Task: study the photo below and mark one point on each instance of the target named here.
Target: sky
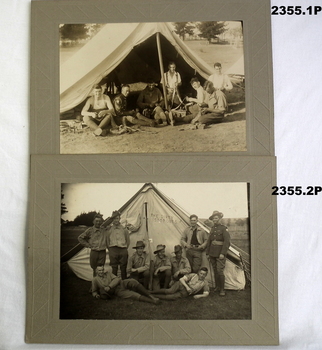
(195, 198)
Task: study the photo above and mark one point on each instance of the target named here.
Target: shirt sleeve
(140, 100)
(184, 238)
(146, 265)
(204, 239)
(206, 287)
(167, 262)
(187, 267)
(127, 237)
(108, 236)
(188, 277)
(83, 238)
(115, 281)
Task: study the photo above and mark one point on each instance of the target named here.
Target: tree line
(208, 30)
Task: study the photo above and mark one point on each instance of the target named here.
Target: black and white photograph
(155, 251)
(154, 87)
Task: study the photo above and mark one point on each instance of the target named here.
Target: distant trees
(85, 219)
(73, 32)
(211, 30)
(79, 31)
(183, 28)
(63, 208)
(236, 32)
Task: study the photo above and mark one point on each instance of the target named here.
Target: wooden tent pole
(150, 251)
(162, 71)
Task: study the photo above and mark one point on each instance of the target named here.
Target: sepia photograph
(155, 251)
(154, 87)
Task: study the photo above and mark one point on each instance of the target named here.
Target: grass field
(227, 55)
(77, 303)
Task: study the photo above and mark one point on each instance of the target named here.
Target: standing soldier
(194, 239)
(118, 241)
(217, 247)
(95, 239)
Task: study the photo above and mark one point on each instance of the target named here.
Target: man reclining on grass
(190, 284)
(105, 285)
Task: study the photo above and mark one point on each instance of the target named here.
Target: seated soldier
(123, 115)
(138, 266)
(195, 102)
(200, 98)
(221, 83)
(160, 269)
(191, 284)
(212, 113)
(98, 111)
(105, 285)
(180, 265)
(151, 103)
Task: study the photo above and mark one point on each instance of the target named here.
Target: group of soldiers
(209, 105)
(162, 277)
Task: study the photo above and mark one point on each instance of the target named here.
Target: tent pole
(162, 71)
(150, 250)
(147, 226)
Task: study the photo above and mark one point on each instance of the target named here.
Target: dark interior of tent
(141, 64)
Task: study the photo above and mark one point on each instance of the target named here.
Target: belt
(217, 243)
(195, 245)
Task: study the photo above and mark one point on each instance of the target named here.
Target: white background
(297, 61)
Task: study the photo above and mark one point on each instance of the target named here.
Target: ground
(230, 135)
(77, 303)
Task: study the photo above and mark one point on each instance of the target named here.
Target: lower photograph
(155, 251)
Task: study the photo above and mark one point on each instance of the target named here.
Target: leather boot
(217, 283)
(222, 286)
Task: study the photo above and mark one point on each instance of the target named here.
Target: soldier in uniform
(194, 240)
(95, 238)
(124, 115)
(217, 247)
(138, 266)
(118, 241)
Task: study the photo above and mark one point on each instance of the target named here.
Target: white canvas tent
(155, 219)
(237, 68)
(127, 53)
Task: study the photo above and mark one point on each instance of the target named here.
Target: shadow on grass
(77, 303)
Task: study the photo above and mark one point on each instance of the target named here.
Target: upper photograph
(152, 87)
